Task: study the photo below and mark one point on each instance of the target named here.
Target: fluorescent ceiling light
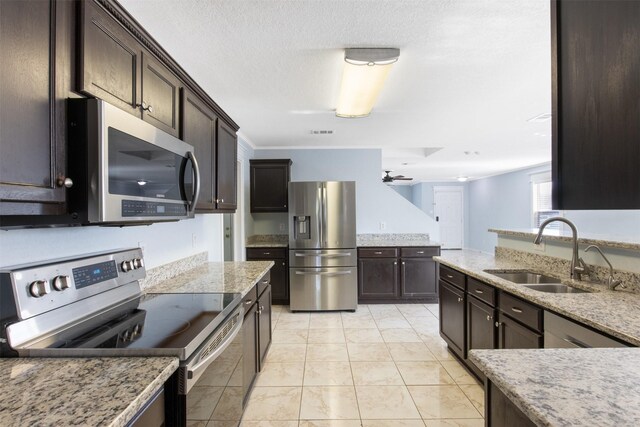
(365, 72)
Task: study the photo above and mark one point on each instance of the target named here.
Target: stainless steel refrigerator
(323, 272)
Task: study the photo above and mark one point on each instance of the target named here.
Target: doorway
(233, 224)
(449, 213)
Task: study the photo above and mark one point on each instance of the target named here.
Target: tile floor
(384, 365)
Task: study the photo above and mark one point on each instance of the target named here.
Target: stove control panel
(43, 287)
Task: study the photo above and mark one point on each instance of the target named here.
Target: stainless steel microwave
(126, 171)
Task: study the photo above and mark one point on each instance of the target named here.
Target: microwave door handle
(196, 182)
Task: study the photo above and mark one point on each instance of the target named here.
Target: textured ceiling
(469, 76)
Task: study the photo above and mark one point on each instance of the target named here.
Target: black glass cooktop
(154, 324)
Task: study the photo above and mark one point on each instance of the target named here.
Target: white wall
(403, 190)
(375, 201)
(163, 242)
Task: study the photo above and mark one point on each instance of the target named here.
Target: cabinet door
(418, 277)
(452, 318)
(199, 129)
(502, 412)
(378, 278)
(481, 329)
(264, 325)
(160, 96)
(280, 282)
(33, 156)
(596, 104)
(250, 348)
(269, 186)
(110, 60)
(227, 150)
(513, 335)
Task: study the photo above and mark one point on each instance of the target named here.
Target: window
(541, 204)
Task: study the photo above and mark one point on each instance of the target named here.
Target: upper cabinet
(115, 67)
(269, 185)
(55, 50)
(36, 44)
(596, 104)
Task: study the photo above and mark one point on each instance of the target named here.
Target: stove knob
(138, 263)
(39, 288)
(60, 283)
(137, 329)
(125, 336)
(126, 266)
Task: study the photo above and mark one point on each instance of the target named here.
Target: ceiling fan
(388, 178)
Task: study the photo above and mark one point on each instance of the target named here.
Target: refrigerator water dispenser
(302, 227)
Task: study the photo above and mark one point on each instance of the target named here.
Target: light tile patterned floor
(384, 365)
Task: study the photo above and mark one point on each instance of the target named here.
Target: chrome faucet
(612, 283)
(578, 266)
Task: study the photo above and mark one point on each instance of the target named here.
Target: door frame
(238, 218)
(451, 189)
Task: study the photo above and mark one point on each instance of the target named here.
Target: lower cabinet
(481, 329)
(390, 274)
(502, 412)
(512, 334)
(279, 272)
(452, 317)
(256, 331)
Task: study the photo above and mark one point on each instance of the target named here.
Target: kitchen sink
(556, 288)
(522, 277)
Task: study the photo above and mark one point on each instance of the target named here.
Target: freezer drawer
(316, 289)
(323, 258)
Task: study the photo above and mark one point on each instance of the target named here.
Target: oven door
(143, 173)
(213, 379)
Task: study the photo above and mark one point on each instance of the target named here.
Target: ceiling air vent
(321, 132)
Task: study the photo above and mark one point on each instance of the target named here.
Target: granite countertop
(394, 239)
(231, 277)
(78, 391)
(613, 312)
(267, 241)
(568, 387)
(619, 242)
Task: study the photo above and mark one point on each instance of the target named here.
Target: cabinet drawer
(482, 291)
(378, 253)
(452, 276)
(419, 252)
(266, 253)
(527, 314)
(249, 299)
(263, 283)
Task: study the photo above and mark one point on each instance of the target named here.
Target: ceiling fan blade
(402, 179)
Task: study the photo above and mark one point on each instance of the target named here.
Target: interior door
(448, 210)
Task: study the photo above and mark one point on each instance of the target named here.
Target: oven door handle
(196, 183)
(192, 372)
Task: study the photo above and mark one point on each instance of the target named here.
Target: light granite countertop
(613, 312)
(568, 387)
(394, 239)
(78, 391)
(230, 277)
(267, 241)
(619, 242)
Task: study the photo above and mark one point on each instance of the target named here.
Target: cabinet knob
(497, 324)
(221, 200)
(488, 317)
(146, 107)
(65, 182)
(285, 206)
(248, 302)
(395, 262)
(459, 299)
(403, 263)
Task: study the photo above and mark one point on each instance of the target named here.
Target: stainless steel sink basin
(556, 288)
(521, 277)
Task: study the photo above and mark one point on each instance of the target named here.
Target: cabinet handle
(221, 200)
(265, 281)
(497, 324)
(420, 252)
(285, 206)
(478, 291)
(459, 299)
(146, 107)
(266, 253)
(377, 253)
(449, 276)
(248, 302)
(516, 310)
(65, 182)
(395, 262)
(283, 263)
(489, 317)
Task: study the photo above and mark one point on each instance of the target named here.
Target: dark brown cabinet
(388, 274)
(36, 44)
(596, 104)
(279, 271)
(481, 329)
(452, 317)
(199, 125)
(502, 412)
(249, 348)
(226, 167)
(512, 335)
(264, 325)
(115, 67)
(269, 184)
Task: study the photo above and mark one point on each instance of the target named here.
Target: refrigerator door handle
(323, 238)
(334, 255)
(322, 273)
